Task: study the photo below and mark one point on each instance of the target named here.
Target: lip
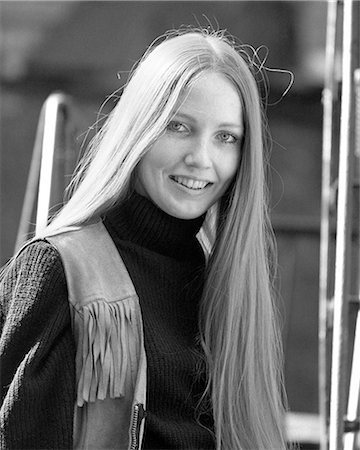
(205, 180)
(192, 180)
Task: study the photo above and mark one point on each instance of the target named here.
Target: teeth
(189, 183)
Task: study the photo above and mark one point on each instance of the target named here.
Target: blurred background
(80, 47)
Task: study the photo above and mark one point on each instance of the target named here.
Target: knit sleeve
(37, 352)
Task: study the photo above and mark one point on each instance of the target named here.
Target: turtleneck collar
(139, 220)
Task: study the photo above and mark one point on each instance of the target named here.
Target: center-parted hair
(238, 322)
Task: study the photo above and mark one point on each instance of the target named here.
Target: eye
(227, 138)
(177, 127)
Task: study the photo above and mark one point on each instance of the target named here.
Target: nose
(199, 154)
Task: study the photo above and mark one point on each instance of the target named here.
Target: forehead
(212, 95)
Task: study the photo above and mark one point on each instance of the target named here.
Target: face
(193, 163)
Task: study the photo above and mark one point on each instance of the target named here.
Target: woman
(163, 253)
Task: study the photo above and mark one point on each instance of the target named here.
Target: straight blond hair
(238, 320)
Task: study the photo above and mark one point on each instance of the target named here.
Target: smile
(190, 183)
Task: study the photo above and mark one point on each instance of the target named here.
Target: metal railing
(339, 384)
(53, 160)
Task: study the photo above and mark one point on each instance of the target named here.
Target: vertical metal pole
(47, 158)
(344, 226)
(354, 389)
(31, 186)
(328, 103)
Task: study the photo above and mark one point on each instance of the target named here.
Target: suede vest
(108, 332)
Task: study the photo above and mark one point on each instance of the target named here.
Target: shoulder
(93, 266)
(38, 261)
(39, 253)
(34, 276)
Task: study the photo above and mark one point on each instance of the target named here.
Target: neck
(139, 220)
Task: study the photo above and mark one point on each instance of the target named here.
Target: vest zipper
(138, 415)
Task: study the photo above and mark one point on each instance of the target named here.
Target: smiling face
(193, 163)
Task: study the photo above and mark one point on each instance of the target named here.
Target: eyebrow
(179, 115)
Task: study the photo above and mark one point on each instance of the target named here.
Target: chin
(185, 214)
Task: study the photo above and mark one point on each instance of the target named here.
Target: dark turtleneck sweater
(166, 264)
(37, 349)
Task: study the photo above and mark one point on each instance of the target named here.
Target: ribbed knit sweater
(37, 347)
(37, 369)
(166, 264)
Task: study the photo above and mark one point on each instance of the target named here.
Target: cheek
(145, 173)
(228, 166)
(151, 167)
(158, 157)
(148, 165)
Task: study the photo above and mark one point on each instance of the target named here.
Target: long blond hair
(238, 320)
